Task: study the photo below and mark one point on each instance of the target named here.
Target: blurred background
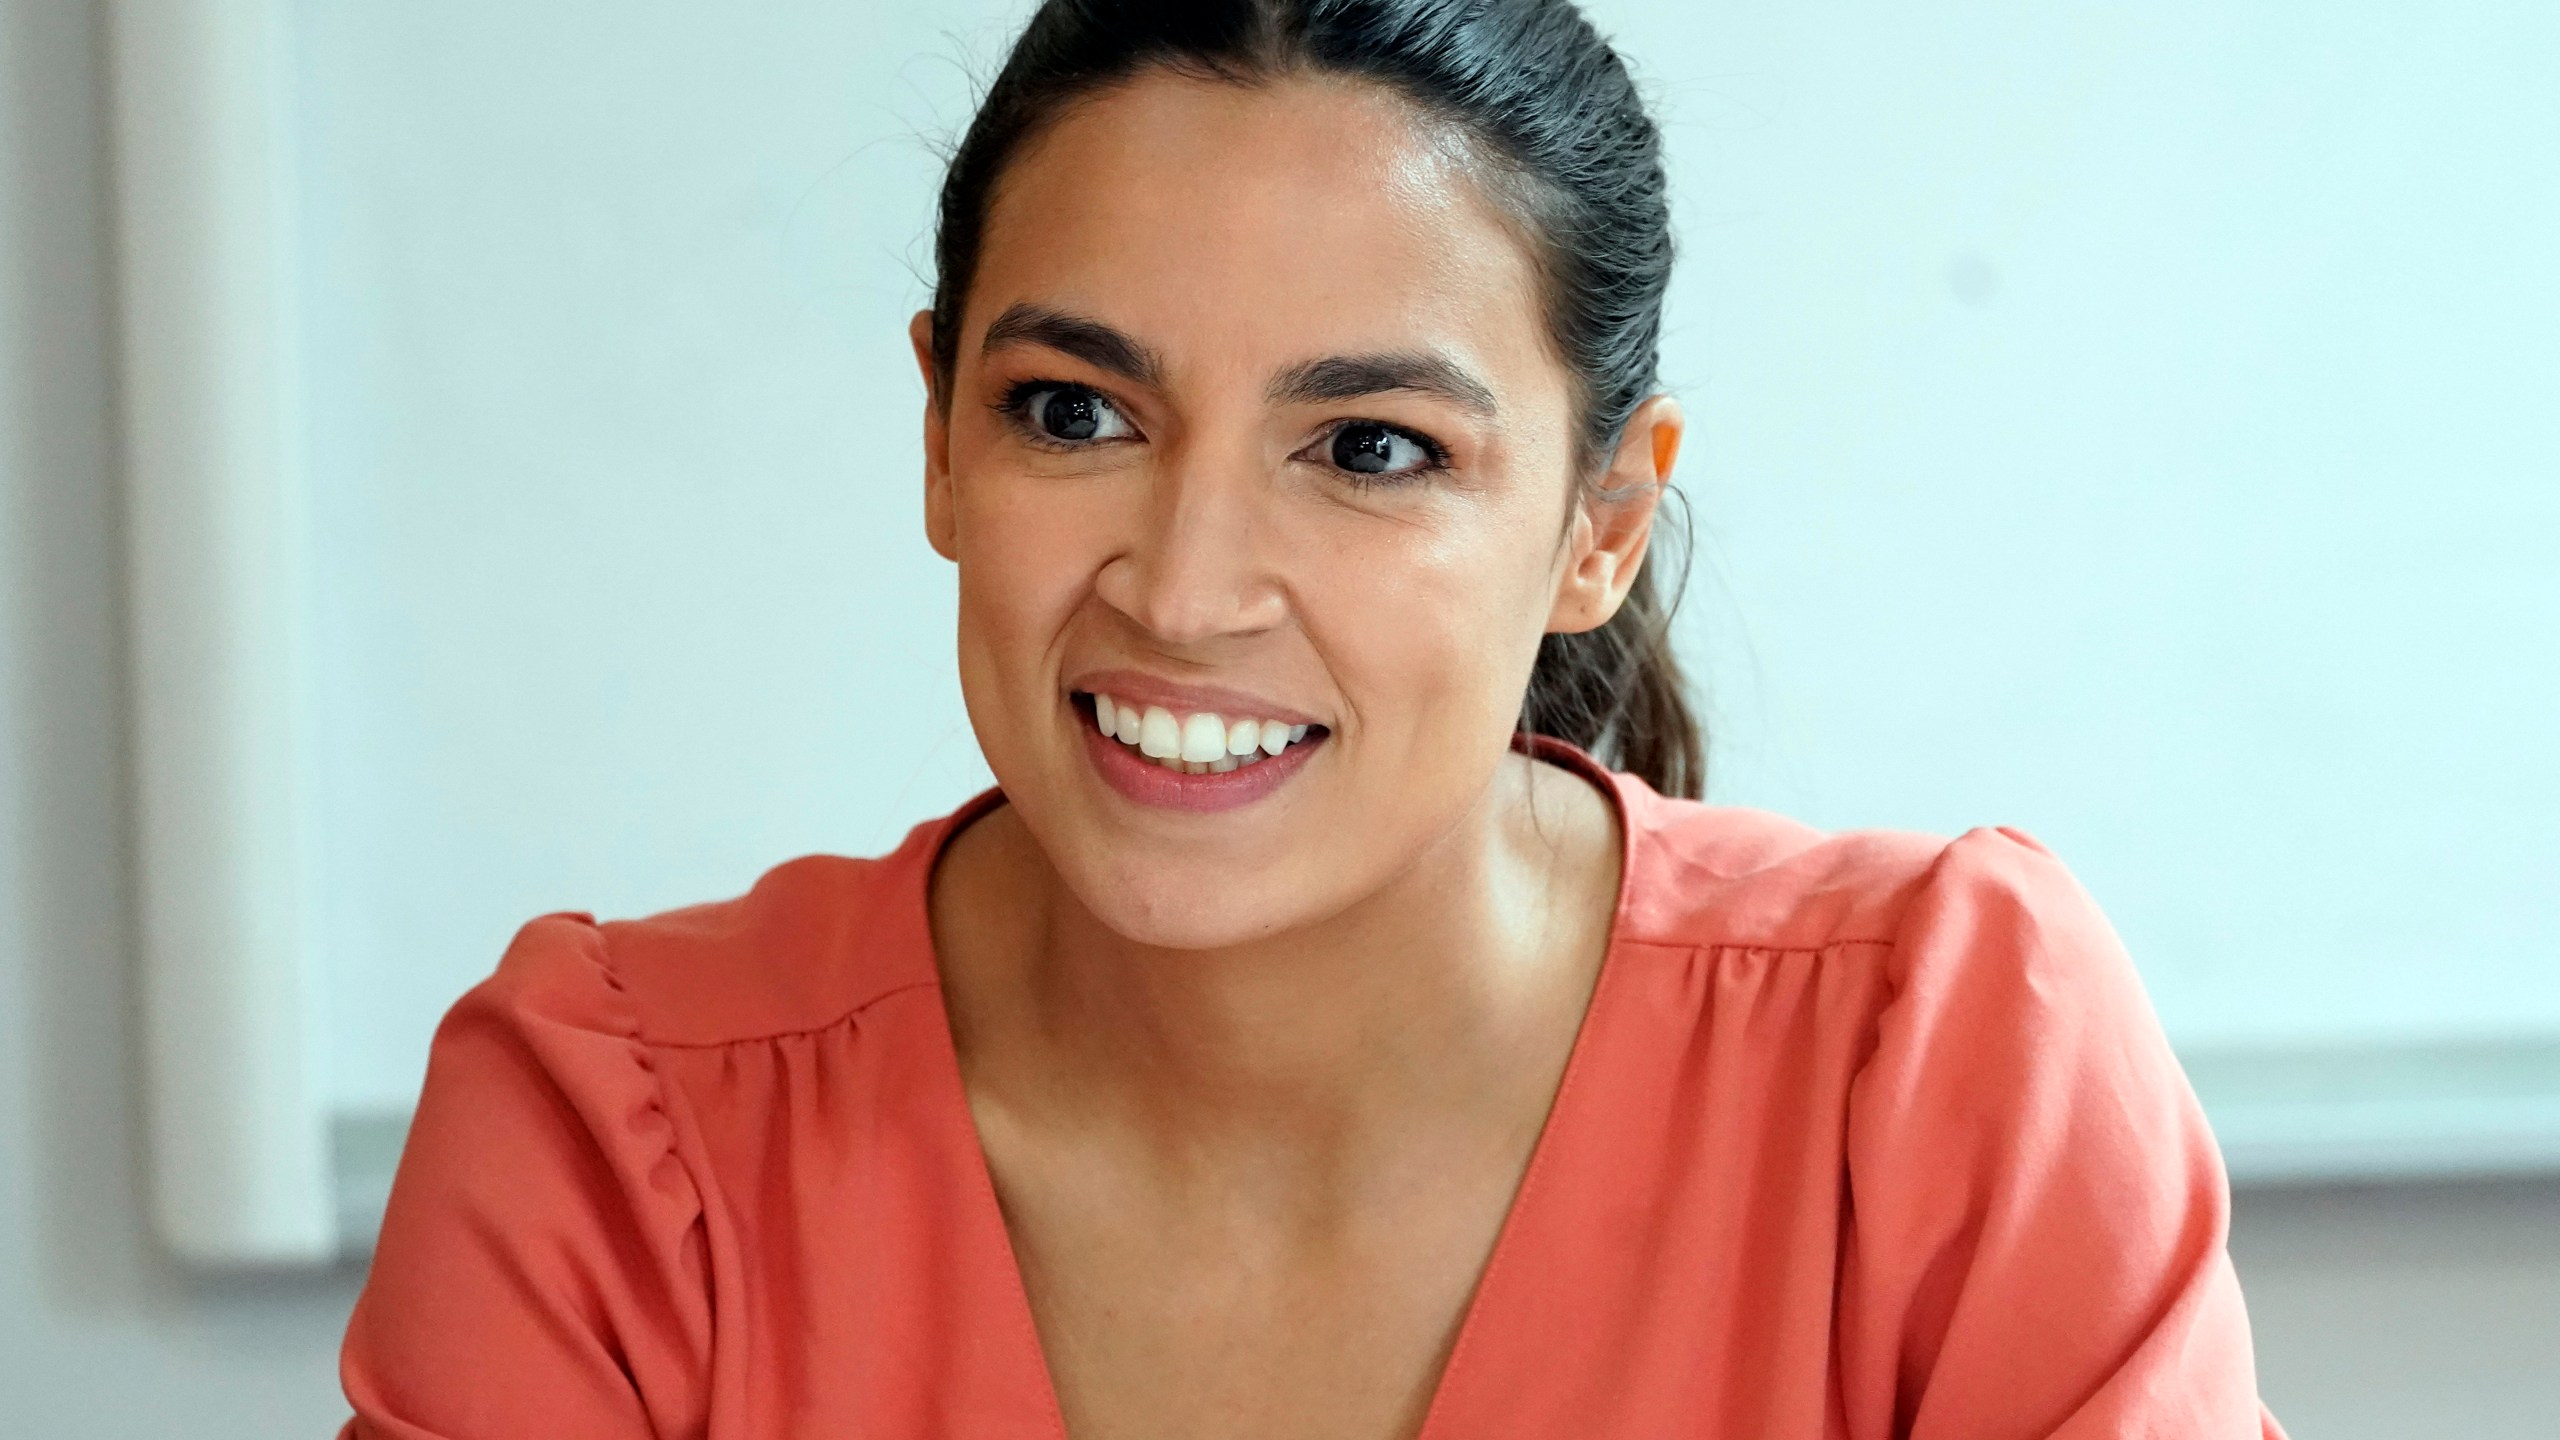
(2134, 422)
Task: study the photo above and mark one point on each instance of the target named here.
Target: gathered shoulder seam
(829, 1024)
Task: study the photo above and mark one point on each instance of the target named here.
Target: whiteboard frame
(238, 1135)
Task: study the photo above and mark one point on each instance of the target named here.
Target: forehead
(1261, 224)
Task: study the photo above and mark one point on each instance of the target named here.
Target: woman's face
(1254, 417)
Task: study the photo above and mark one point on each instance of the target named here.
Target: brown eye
(1072, 413)
(1365, 447)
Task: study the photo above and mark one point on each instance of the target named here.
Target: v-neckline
(985, 1224)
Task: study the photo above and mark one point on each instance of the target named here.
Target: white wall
(2381, 1313)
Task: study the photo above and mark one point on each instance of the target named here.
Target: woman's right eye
(1067, 414)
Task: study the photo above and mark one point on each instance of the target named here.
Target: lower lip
(1148, 783)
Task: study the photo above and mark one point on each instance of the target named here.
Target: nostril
(1183, 592)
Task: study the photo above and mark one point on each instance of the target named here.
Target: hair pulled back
(1555, 122)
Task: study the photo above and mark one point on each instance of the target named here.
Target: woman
(1310, 1036)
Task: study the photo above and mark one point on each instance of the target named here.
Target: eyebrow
(1315, 382)
(1091, 341)
(1349, 377)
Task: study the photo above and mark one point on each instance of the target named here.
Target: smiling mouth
(1199, 743)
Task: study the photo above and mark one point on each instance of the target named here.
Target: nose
(1195, 568)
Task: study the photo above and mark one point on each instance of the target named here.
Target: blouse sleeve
(541, 1268)
(2037, 1210)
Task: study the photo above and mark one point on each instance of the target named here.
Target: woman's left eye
(1367, 448)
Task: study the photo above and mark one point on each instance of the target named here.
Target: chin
(1182, 908)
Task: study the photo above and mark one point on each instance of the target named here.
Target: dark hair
(1563, 140)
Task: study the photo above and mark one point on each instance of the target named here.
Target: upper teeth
(1199, 743)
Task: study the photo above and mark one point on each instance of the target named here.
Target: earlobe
(941, 530)
(1575, 591)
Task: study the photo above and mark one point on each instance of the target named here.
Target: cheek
(1433, 626)
(1027, 550)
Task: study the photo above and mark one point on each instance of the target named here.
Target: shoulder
(1993, 978)
(1990, 903)
(1732, 875)
(814, 940)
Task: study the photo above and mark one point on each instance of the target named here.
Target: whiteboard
(2128, 422)
(2136, 423)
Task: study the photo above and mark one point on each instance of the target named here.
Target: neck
(1424, 995)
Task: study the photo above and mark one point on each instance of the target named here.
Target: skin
(1257, 1087)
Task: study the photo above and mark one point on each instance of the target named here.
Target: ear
(1611, 528)
(940, 525)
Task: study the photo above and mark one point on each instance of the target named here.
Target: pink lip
(1149, 783)
(1131, 685)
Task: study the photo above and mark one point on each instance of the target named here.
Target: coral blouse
(1864, 1135)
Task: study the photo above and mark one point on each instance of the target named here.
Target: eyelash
(1014, 404)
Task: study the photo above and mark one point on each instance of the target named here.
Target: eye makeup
(1016, 405)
